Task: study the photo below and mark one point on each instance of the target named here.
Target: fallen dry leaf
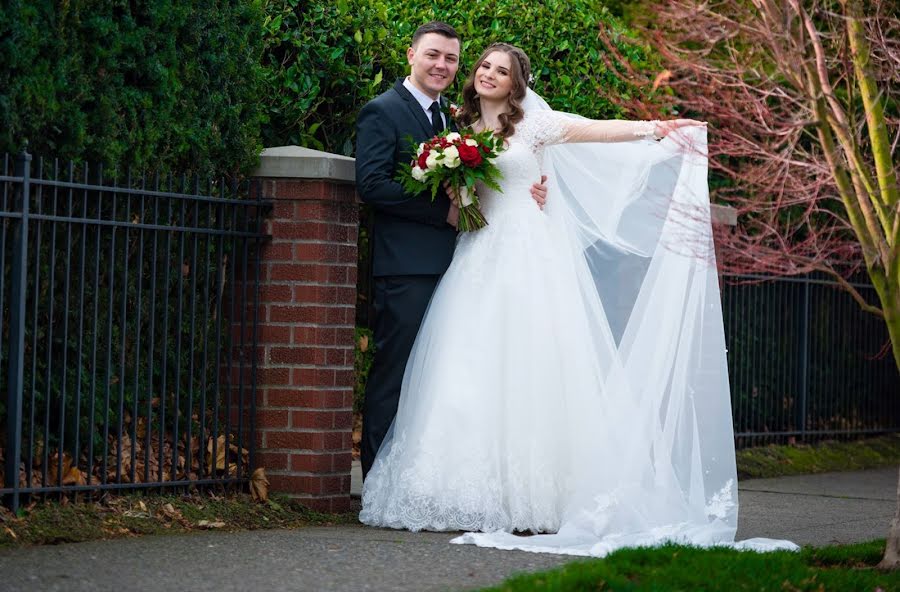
(6, 514)
(38, 451)
(136, 514)
(74, 476)
(169, 511)
(53, 467)
(259, 485)
(208, 524)
(141, 428)
(220, 453)
(363, 343)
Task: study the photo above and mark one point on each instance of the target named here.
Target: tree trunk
(891, 559)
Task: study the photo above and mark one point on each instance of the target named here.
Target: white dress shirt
(424, 100)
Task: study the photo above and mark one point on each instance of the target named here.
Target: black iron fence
(128, 324)
(805, 362)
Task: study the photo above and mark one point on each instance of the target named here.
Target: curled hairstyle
(520, 70)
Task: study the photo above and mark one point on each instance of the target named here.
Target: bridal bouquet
(460, 159)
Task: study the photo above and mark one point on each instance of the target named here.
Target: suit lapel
(414, 108)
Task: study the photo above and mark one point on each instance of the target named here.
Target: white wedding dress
(569, 376)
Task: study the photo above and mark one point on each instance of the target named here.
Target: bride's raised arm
(607, 130)
(566, 129)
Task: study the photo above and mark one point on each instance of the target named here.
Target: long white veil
(657, 450)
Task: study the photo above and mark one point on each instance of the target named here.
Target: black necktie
(437, 123)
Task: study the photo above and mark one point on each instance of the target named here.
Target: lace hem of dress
(416, 498)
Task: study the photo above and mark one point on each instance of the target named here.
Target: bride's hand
(664, 128)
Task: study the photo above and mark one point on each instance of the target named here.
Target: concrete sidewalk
(811, 510)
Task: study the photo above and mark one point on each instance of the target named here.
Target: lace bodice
(521, 164)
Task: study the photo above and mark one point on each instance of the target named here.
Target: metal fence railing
(128, 324)
(805, 362)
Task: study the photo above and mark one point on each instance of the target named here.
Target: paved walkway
(811, 510)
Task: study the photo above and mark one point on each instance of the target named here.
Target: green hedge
(325, 58)
(154, 84)
(200, 86)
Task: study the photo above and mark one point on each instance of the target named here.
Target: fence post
(804, 358)
(17, 335)
(304, 408)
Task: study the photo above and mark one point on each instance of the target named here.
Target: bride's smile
(492, 79)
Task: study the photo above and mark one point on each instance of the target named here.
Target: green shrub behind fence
(152, 84)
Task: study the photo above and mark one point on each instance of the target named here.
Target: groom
(413, 238)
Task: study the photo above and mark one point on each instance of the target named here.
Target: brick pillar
(306, 328)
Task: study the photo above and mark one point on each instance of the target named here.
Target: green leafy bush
(324, 58)
(154, 84)
(148, 84)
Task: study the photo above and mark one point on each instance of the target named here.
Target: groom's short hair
(435, 27)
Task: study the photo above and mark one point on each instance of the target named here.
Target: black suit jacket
(411, 234)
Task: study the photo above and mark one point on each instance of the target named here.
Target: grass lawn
(824, 457)
(849, 567)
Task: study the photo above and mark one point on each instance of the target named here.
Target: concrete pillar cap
(297, 162)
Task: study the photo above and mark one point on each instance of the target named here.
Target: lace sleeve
(553, 127)
(543, 128)
(609, 130)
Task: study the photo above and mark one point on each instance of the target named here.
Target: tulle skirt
(497, 391)
(522, 410)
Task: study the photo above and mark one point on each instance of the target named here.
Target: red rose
(422, 158)
(470, 155)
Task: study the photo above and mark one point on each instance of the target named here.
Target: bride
(569, 379)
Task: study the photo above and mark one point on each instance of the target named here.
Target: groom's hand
(539, 192)
(451, 193)
(453, 215)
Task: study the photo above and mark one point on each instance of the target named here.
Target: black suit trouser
(400, 304)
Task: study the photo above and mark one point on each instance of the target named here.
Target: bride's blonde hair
(521, 72)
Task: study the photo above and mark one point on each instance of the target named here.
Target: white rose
(451, 157)
(431, 162)
(418, 174)
(471, 142)
(420, 150)
(453, 136)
